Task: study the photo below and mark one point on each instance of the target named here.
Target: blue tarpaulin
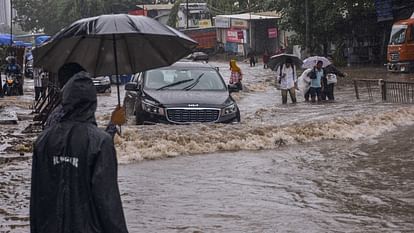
(18, 43)
(41, 39)
(384, 10)
(5, 39)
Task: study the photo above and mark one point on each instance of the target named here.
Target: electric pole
(188, 13)
(250, 26)
(11, 22)
(307, 27)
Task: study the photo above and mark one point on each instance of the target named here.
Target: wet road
(329, 187)
(334, 167)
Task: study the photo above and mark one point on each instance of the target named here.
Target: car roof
(188, 64)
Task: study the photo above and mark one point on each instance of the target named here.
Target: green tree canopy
(52, 15)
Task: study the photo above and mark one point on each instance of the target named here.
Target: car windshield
(190, 79)
(398, 34)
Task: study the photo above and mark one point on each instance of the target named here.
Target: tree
(52, 15)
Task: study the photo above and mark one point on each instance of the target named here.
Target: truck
(206, 38)
(400, 52)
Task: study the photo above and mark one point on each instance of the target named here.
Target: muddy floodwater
(346, 166)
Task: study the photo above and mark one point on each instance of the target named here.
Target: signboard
(240, 35)
(204, 23)
(239, 23)
(384, 10)
(222, 22)
(235, 36)
(272, 32)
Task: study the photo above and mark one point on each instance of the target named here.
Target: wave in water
(152, 142)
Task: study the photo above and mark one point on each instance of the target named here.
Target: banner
(235, 36)
(239, 23)
(272, 32)
(222, 22)
(204, 23)
(384, 10)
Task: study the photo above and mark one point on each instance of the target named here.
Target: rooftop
(247, 16)
(156, 6)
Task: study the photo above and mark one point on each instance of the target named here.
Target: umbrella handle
(116, 69)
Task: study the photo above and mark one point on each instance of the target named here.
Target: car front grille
(189, 115)
(395, 56)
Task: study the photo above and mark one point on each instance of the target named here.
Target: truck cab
(400, 53)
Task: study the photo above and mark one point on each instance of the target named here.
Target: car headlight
(152, 108)
(229, 110)
(106, 82)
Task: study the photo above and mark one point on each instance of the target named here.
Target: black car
(186, 92)
(102, 84)
(198, 56)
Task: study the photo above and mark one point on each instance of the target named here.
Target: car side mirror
(131, 86)
(233, 88)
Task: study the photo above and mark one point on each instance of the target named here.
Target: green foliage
(52, 15)
(172, 20)
(330, 21)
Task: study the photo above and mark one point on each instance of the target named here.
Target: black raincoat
(74, 172)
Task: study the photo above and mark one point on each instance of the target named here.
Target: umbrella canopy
(310, 62)
(277, 60)
(141, 43)
(5, 39)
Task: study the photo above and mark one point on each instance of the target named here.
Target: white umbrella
(310, 62)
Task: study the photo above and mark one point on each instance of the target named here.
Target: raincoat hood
(79, 99)
(233, 66)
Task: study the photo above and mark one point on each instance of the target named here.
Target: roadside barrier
(387, 91)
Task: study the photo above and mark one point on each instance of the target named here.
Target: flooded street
(346, 166)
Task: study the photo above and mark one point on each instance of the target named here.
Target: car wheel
(139, 119)
(238, 118)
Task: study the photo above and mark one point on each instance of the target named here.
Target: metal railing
(387, 91)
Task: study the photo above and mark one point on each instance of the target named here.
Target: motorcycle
(11, 87)
(28, 71)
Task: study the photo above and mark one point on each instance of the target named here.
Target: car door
(132, 96)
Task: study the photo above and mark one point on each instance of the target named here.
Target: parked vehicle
(28, 70)
(198, 56)
(102, 84)
(206, 38)
(186, 92)
(400, 54)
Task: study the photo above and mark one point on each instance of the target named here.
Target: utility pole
(250, 25)
(11, 22)
(187, 12)
(307, 27)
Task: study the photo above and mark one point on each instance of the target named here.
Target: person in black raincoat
(328, 88)
(74, 172)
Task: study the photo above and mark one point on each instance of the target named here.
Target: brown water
(325, 187)
(335, 167)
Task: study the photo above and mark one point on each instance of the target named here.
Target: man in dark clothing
(328, 88)
(15, 69)
(74, 171)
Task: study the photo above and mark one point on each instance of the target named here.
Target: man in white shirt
(287, 79)
(38, 85)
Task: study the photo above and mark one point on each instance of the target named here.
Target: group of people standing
(318, 82)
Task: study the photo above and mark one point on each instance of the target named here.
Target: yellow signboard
(204, 23)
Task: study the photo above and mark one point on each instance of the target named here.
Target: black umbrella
(277, 60)
(114, 44)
